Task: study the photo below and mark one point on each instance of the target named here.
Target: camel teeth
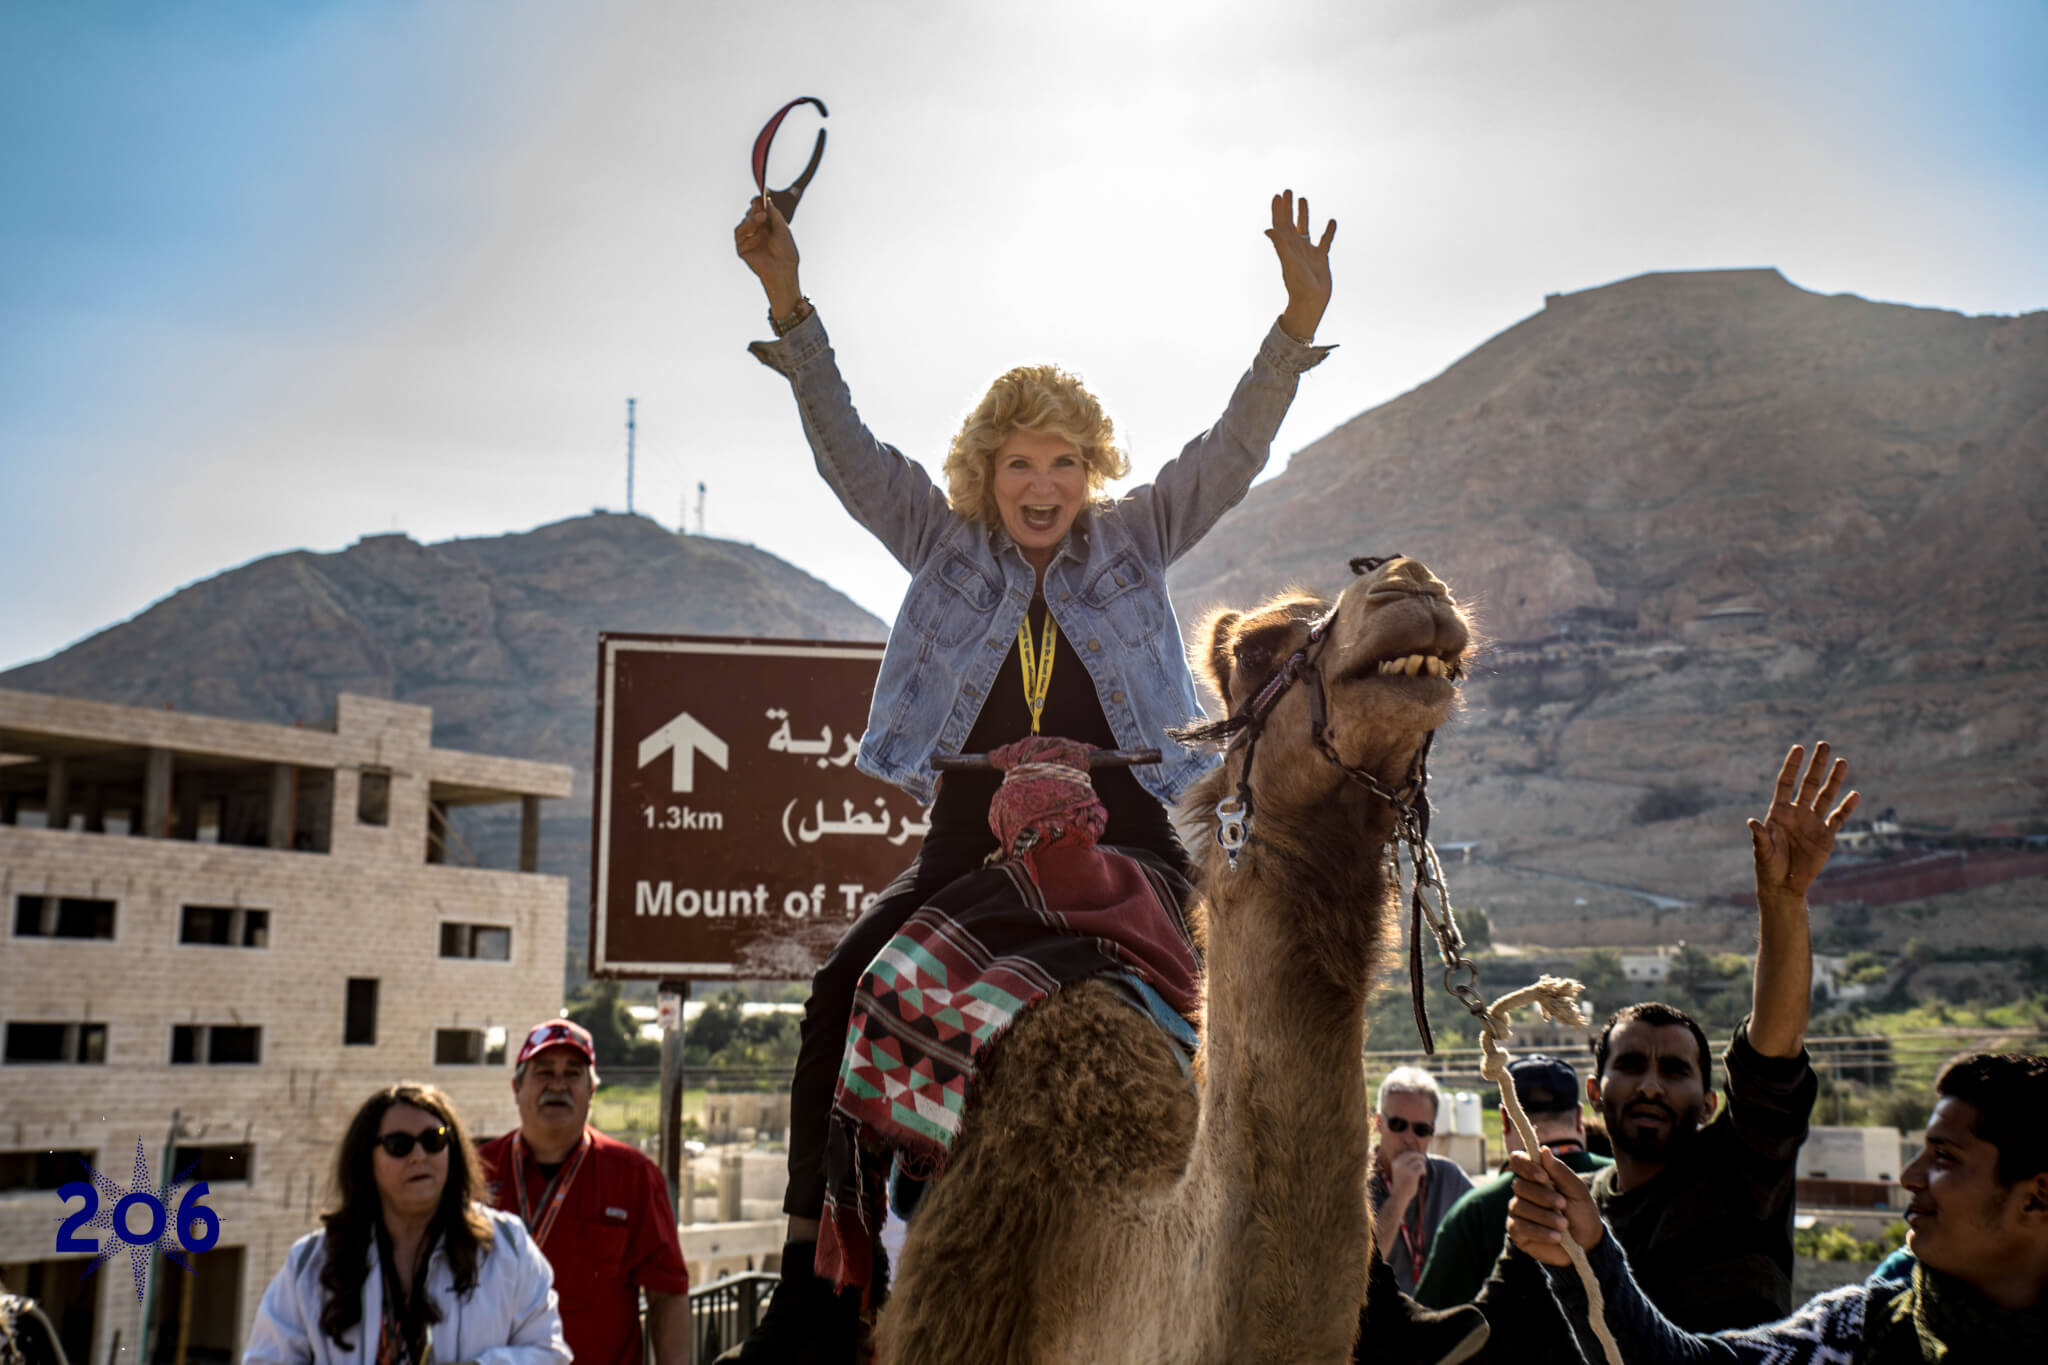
(1414, 664)
(1435, 666)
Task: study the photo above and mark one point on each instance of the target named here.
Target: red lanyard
(557, 1191)
(1416, 1252)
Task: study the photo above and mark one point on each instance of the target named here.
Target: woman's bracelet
(785, 325)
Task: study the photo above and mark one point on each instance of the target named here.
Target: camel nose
(1404, 577)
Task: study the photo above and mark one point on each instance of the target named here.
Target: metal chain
(1441, 918)
(1426, 873)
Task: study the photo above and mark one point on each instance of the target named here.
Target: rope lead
(1556, 999)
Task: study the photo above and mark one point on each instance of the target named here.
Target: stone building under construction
(220, 937)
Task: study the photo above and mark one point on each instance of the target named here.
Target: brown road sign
(733, 835)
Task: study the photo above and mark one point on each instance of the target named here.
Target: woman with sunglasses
(410, 1269)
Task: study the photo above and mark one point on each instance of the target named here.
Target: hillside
(497, 634)
(1701, 516)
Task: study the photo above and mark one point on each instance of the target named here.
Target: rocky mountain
(498, 635)
(1701, 516)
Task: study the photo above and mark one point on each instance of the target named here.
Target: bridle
(1409, 802)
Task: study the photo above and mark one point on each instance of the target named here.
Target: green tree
(714, 1028)
(1606, 984)
(612, 1030)
(1694, 973)
(1477, 927)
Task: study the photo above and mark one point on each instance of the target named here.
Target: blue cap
(1545, 1084)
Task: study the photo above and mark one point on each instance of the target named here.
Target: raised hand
(763, 240)
(1405, 1175)
(1304, 265)
(1793, 840)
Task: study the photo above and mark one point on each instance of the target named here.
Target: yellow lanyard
(1037, 666)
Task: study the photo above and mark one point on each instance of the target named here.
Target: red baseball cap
(557, 1033)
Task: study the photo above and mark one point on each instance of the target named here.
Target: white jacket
(509, 1319)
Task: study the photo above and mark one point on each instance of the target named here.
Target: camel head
(1381, 665)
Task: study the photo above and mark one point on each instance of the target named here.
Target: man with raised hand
(1978, 1220)
(598, 1208)
(1704, 1209)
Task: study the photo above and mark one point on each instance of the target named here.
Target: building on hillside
(1831, 981)
(220, 938)
(1648, 971)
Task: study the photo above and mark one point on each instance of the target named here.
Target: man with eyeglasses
(1411, 1190)
(599, 1209)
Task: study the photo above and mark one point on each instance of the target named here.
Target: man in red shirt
(599, 1209)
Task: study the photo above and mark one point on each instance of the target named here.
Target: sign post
(681, 1180)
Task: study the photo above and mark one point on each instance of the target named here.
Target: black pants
(943, 860)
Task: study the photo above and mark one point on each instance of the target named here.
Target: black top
(1072, 711)
(1710, 1236)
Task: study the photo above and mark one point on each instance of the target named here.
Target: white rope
(1556, 999)
(1053, 772)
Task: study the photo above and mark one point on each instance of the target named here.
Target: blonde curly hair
(1042, 398)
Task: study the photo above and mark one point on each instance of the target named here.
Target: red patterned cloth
(1046, 797)
(966, 966)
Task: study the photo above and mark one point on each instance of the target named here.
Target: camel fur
(1095, 1206)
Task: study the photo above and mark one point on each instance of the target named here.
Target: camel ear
(1210, 657)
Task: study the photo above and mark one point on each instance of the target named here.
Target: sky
(280, 275)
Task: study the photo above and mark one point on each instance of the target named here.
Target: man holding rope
(1703, 1210)
(1979, 1236)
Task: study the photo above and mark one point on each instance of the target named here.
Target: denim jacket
(970, 586)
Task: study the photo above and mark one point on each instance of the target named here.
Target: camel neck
(1293, 949)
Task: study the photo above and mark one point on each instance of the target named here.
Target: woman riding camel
(1037, 605)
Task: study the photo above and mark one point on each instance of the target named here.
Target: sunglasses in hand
(1396, 1124)
(398, 1146)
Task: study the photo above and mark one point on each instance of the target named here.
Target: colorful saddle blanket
(962, 970)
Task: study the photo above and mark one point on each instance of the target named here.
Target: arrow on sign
(686, 737)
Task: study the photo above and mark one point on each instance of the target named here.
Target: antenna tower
(629, 457)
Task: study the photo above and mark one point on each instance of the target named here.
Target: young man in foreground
(1979, 1235)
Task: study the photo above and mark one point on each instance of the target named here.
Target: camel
(1096, 1207)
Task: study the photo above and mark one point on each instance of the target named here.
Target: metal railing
(1849, 1067)
(722, 1315)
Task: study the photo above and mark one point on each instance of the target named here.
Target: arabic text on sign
(783, 742)
(851, 822)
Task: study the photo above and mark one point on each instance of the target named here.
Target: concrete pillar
(283, 814)
(185, 814)
(729, 1166)
(529, 834)
(57, 796)
(323, 813)
(156, 795)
